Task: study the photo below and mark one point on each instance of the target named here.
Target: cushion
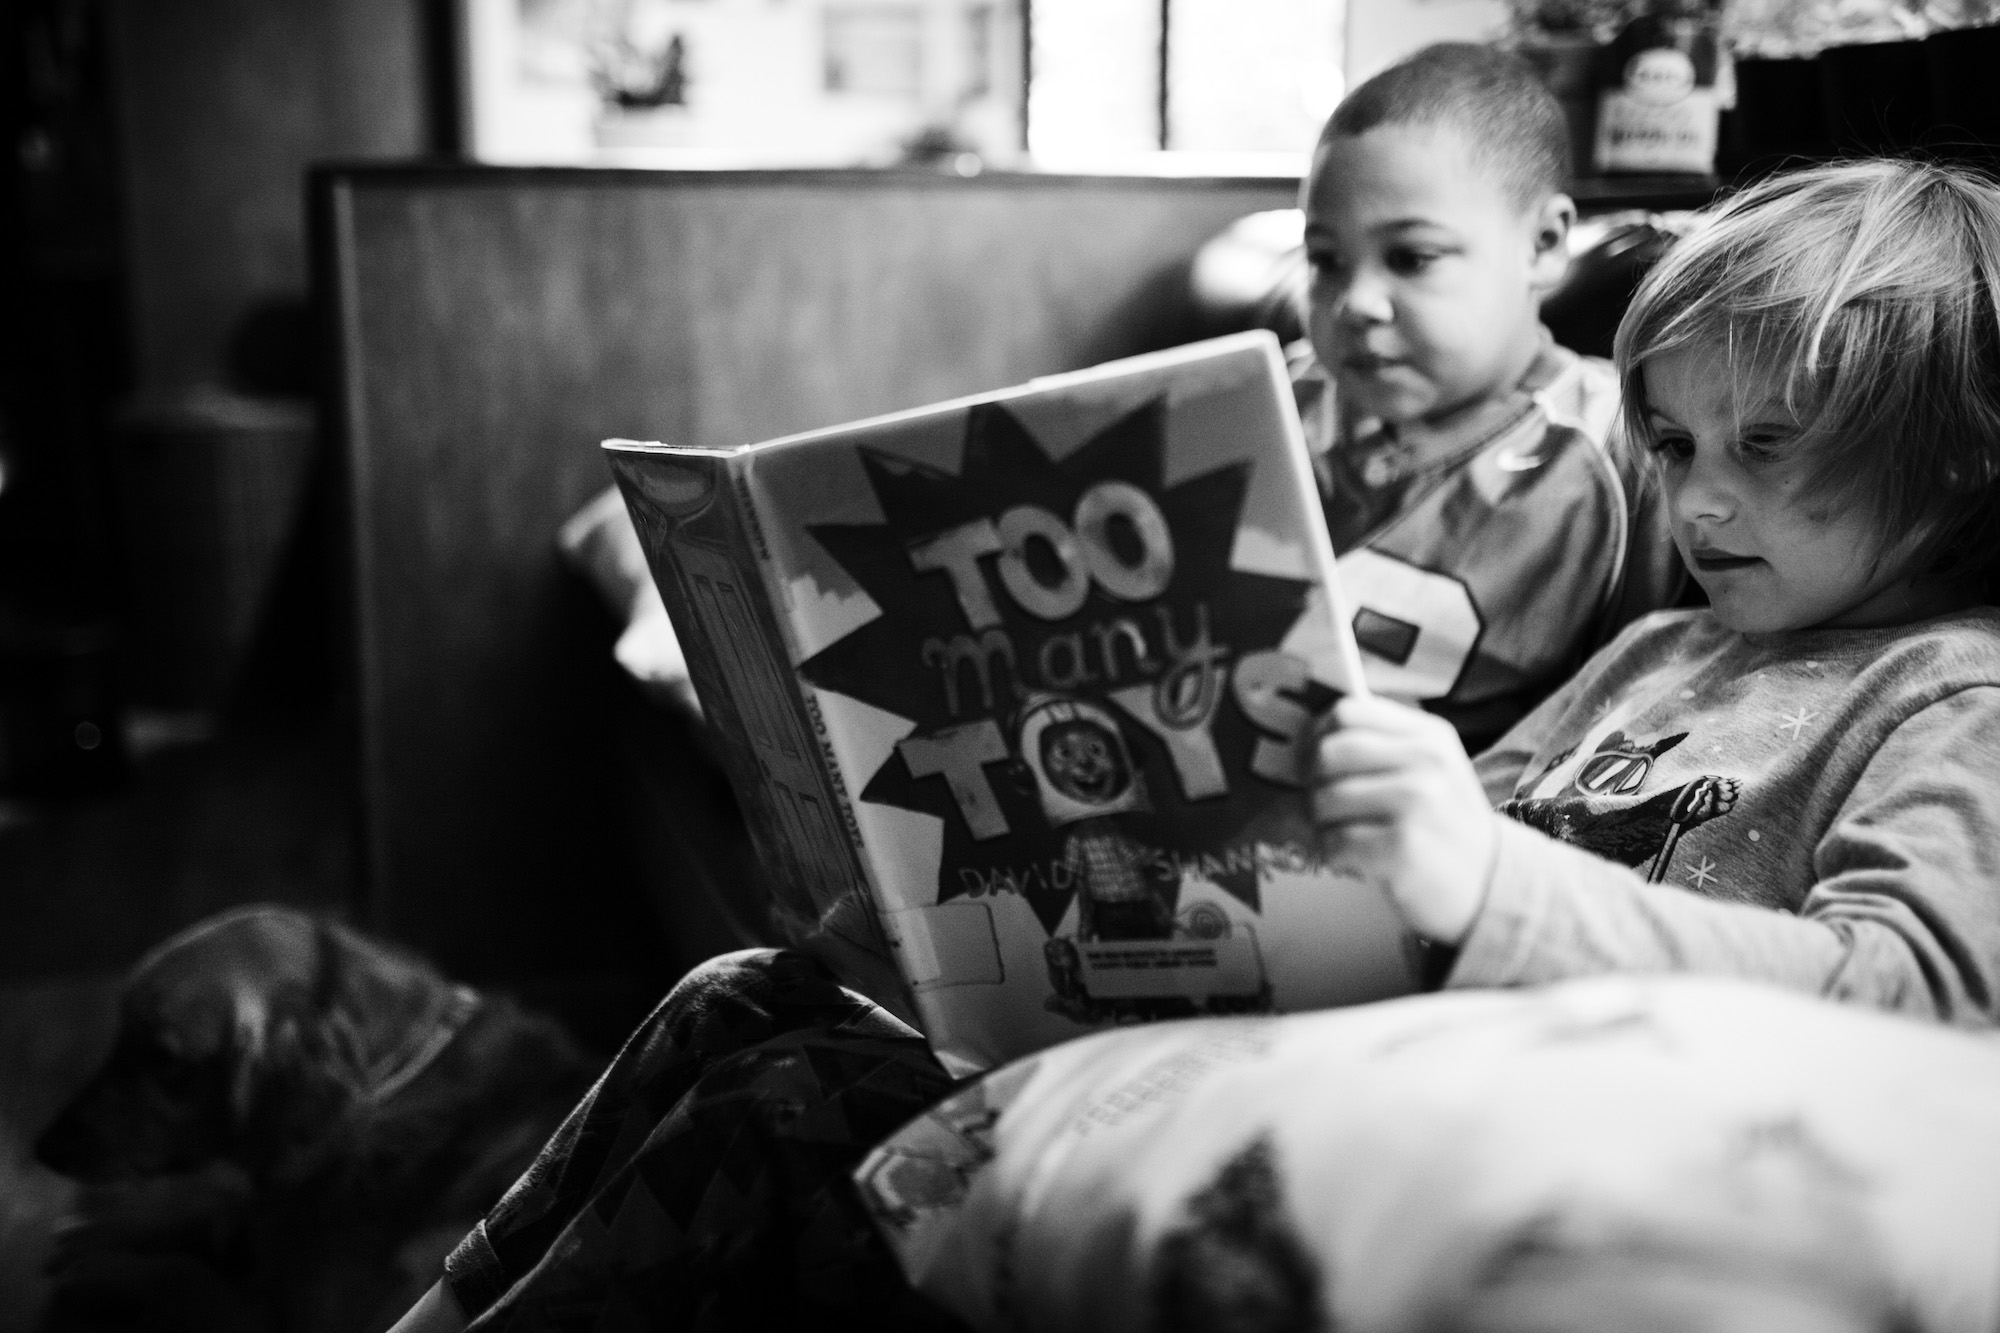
(1609, 1153)
(600, 543)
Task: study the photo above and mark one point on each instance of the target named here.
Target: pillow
(1609, 1153)
(600, 543)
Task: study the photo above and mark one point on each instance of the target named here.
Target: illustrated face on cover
(1081, 764)
(1083, 760)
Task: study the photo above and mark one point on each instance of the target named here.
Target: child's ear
(1550, 235)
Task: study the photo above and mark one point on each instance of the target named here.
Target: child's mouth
(1712, 561)
(1367, 363)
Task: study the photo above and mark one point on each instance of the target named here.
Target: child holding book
(1800, 783)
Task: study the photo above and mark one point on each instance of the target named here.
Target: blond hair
(1871, 289)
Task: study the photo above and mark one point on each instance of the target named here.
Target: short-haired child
(1491, 526)
(1801, 782)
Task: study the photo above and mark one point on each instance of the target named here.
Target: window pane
(1250, 75)
(743, 82)
(1096, 78)
(875, 50)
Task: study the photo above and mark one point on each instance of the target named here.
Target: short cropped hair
(1871, 291)
(1512, 125)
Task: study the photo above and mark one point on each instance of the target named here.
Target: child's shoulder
(1971, 634)
(1577, 392)
(1661, 634)
(1573, 394)
(1957, 651)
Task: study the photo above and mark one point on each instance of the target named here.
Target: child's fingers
(1374, 713)
(1366, 851)
(1373, 799)
(1348, 753)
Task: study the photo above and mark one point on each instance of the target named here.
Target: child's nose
(1366, 300)
(1702, 496)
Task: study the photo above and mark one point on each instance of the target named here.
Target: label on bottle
(1658, 118)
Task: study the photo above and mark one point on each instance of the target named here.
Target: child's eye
(1407, 262)
(1670, 448)
(1324, 263)
(1762, 446)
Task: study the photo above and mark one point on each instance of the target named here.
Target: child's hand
(1397, 803)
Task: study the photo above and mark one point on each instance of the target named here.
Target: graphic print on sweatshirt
(1594, 799)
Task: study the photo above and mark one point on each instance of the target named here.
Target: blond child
(1800, 783)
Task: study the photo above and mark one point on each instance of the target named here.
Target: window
(875, 50)
(1107, 83)
(1112, 78)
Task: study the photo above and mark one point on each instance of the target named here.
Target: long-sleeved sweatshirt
(1818, 808)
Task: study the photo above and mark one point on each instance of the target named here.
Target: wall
(1380, 32)
(497, 323)
(222, 104)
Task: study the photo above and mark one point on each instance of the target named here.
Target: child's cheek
(1788, 494)
(1320, 332)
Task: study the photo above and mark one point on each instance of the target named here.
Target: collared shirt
(1488, 554)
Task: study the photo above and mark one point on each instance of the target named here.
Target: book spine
(707, 556)
(852, 933)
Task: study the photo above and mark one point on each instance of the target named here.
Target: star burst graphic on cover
(969, 670)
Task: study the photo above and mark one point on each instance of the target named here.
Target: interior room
(325, 634)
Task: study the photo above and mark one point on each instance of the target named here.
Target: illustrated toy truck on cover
(1017, 693)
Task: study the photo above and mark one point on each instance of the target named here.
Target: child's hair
(1872, 290)
(1510, 122)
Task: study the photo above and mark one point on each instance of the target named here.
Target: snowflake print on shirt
(1796, 722)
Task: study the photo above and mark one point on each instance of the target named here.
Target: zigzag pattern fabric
(703, 1183)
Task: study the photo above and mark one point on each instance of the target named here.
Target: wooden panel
(222, 104)
(494, 325)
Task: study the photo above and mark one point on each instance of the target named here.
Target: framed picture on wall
(742, 82)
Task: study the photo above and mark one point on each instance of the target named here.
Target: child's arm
(1904, 911)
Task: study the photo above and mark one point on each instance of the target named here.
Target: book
(1019, 691)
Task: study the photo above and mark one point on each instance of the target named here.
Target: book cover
(1018, 692)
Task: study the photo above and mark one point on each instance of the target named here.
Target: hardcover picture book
(1018, 695)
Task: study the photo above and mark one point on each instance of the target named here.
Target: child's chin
(1391, 404)
(1746, 616)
